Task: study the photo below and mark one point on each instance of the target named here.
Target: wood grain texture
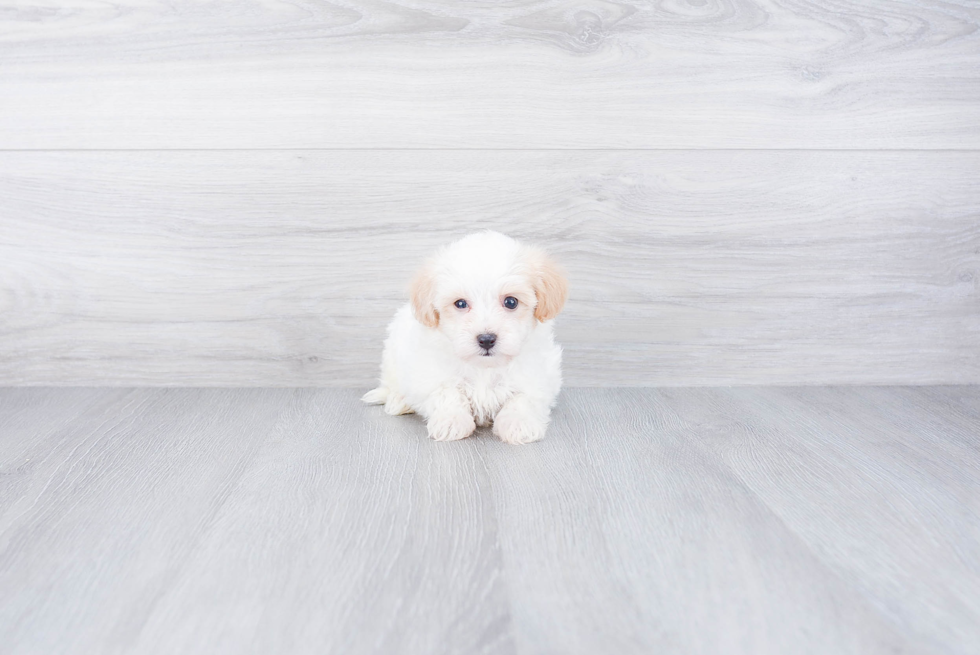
(283, 268)
(818, 520)
(110, 504)
(958, 399)
(152, 503)
(346, 534)
(622, 535)
(536, 74)
(876, 494)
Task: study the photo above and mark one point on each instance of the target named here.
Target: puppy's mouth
(491, 358)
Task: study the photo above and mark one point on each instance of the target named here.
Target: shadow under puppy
(475, 346)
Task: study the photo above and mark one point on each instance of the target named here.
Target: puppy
(475, 345)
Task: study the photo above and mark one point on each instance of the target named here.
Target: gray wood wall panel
(538, 74)
(687, 267)
(686, 160)
(678, 521)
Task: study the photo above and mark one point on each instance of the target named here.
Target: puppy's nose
(487, 340)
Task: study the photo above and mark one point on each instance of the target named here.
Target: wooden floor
(745, 520)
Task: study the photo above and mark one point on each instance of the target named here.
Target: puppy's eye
(510, 302)
(461, 304)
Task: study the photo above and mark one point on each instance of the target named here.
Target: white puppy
(475, 345)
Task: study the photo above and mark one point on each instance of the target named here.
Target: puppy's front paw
(451, 427)
(514, 426)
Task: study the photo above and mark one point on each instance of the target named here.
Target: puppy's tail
(377, 396)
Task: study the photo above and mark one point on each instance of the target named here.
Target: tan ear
(550, 285)
(423, 296)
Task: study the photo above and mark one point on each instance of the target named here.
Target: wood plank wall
(235, 193)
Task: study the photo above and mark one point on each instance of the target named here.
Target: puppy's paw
(514, 426)
(451, 426)
(395, 405)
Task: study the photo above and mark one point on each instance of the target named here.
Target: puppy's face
(485, 293)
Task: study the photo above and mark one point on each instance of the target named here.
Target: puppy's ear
(423, 296)
(550, 285)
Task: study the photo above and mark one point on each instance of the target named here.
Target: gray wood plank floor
(746, 520)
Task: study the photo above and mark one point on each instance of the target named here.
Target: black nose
(487, 340)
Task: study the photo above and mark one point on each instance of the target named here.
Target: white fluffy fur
(433, 364)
